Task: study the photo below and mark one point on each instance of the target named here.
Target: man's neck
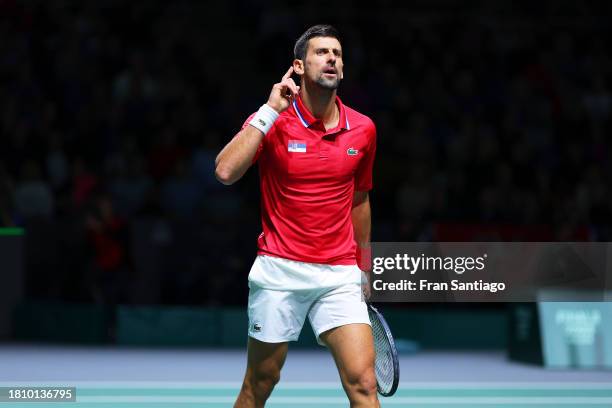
(322, 104)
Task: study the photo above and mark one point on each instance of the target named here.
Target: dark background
(493, 123)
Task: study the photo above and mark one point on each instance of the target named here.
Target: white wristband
(264, 118)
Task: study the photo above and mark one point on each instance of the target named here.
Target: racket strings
(384, 356)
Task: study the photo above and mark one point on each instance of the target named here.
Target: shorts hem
(339, 324)
(265, 339)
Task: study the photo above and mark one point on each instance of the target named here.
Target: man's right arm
(237, 156)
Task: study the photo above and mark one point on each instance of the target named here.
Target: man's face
(323, 62)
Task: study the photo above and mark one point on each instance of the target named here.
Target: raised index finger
(288, 73)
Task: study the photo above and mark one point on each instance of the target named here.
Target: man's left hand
(365, 285)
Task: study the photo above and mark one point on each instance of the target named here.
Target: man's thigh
(352, 346)
(265, 358)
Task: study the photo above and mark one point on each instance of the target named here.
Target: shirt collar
(308, 119)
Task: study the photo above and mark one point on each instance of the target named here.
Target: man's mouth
(329, 71)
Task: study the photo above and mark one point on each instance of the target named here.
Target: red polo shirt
(307, 177)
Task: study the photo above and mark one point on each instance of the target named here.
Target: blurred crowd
(492, 113)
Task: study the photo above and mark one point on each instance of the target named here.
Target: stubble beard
(329, 84)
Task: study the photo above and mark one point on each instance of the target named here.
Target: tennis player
(315, 158)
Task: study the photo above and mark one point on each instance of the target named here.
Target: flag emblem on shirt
(296, 146)
(352, 152)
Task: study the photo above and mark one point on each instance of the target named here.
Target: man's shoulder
(287, 121)
(287, 114)
(358, 119)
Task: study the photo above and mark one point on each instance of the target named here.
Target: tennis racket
(387, 363)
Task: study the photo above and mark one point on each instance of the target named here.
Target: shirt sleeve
(261, 145)
(363, 176)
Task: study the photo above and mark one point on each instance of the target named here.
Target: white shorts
(330, 295)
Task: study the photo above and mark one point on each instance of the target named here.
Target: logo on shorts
(256, 327)
(352, 152)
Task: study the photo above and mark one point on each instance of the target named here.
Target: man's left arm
(361, 212)
(361, 217)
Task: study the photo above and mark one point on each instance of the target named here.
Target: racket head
(386, 354)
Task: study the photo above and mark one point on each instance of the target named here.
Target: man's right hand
(283, 93)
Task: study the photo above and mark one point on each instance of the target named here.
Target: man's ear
(298, 67)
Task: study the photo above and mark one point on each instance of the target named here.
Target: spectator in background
(203, 162)
(181, 195)
(84, 182)
(57, 163)
(134, 81)
(33, 196)
(7, 215)
(108, 236)
(598, 100)
(131, 187)
(165, 154)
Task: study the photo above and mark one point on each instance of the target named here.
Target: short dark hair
(319, 30)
